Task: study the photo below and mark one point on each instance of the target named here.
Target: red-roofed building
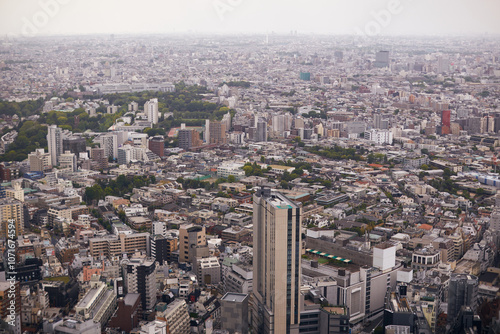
(426, 227)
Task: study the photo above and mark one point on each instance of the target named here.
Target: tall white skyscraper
(55, 143)
(206, 133)
(276, 263)
(151, 110)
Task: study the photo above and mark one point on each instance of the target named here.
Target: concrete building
(55, 143)
(261, 131)
(462, 292)
(151, 110)
(382, 59)
(99, 158)
(39, 161)
(379, 136)
(117, 245)
(239, 278)
(175, 315)
(384, 256)
(74, 326)
(109, 143)
(139, 277)
(217, 132)
(190, 237)
(234, 313)
(75, 145)
(126, 316)
(277, 263)
(426, 258)
(208, 270)
(67, 161)
(98, 303)
(157, 145)
(11, 210)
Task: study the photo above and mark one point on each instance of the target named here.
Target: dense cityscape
(251, 183)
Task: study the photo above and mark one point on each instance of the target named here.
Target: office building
(109, 143)
(208, 270)
(443, 65)
(206, 132)
(445, 122)
(126, 316)
(306, 76)
(234, 312)
(191, 238)
(11, 209)
(99, 158)
(114, 245)
(188, 138)
(382, 59)
(151, 110)
(379, 136)
(217, 132)
(39, 161)
(55, 143)
(462, 292)
(261, 131)
(277, 263)
(160, 248)
(139, 277)
(98, 303)
(16, 192)
(175, 315)
(157, 145)
(75, 145)
(67, 161)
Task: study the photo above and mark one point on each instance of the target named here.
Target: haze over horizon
(368, 17)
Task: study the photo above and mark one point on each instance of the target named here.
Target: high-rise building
(445, 122)
(277, 263)
(97, 155)
(75, 145)
(139, 277)
(382, 59)
(157, 145)
(151, 110)
(191, 237)
(11, 209)
(159, 248)
(234, 312)
(109, 143)
(261, 131)
(443, 65)
(185, 138)
(206, 132)
(5, 173)
(462, 292)
(217, 132)
(55, 143)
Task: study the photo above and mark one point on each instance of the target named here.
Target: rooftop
(234, 297)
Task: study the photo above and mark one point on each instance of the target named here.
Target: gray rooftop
(234, 297)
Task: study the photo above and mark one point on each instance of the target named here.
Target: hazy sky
(369, 17)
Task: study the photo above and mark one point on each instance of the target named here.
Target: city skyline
(362, 18)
